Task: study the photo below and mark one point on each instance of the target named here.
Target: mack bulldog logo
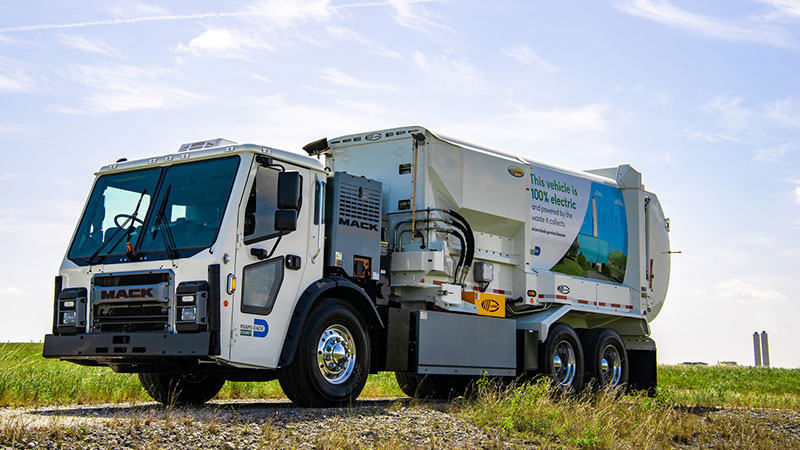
(110, 294)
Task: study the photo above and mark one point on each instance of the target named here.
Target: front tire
(180, 389)
(332, 361)
(562, 359)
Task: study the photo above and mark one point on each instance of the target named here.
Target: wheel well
(342, 289)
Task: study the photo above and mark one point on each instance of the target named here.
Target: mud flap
(642, 372)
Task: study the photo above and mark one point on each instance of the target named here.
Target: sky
(703, 98)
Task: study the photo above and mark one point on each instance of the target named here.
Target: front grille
(131, 302)
(130, 317)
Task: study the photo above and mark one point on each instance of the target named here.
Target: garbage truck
(396, 250)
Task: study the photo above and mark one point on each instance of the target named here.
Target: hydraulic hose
(470, 242)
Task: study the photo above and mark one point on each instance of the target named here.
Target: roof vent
(218, 142)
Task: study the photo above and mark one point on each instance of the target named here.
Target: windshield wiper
(166, 233)
(130, 218)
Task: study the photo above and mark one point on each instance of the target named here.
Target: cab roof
(216, 148)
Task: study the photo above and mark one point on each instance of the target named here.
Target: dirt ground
(230, 424)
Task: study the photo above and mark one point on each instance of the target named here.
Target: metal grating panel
(360, 203)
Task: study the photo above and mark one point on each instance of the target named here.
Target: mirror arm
(262, 254)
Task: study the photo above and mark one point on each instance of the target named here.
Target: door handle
(259, 253)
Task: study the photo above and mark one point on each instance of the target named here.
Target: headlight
(68, 318)
(187, 299)
(188, 314)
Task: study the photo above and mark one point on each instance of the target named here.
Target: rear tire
(606, 358)
(440, 387)
(177, 389)
(562, 359)
(332, 361)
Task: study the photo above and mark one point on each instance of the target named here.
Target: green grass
(748, 387)
(26, 378)
(536, 416)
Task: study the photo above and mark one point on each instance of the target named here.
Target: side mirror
(290, 194)
(285, 220)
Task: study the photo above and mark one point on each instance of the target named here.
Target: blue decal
(537, 251)
(258, 324)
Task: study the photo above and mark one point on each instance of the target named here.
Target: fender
(357, 297)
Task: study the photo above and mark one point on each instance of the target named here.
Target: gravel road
(232, 424)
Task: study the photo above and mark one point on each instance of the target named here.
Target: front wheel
(180, 389)
(332, 361)
(562, 359)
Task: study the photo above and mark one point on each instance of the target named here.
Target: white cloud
(754, 290)
(665, 12)
(222, 42)
(127, 88)
(456, 73)
(159, 18)
(268, 24)
(530, 58)
(771, 154)
(89, 45)
(8, 176)
(369, 44)
(730, 111)
(261, 78)
(287, 13)
(418, 19)
(342, 79)
(784, 111)
(14, 77)
(782, 10)
(704, 136)
(10, 129)
(797, 194)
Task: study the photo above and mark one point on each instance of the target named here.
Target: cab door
(270, 261)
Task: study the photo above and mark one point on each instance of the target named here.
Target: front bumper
(126, 346)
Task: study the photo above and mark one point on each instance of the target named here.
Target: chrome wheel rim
(611, 366)
(564, 365)
(336, 354)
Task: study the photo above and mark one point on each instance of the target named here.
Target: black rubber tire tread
(301, 380)
(440, 387)
(176, 389)
(594, 341)
(558, 333)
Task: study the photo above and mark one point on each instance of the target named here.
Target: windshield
(196, 195)
(112, 203)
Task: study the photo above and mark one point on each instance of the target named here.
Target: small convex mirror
(289, 191)
(285, 220)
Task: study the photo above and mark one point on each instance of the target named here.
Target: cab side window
(259, 217)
